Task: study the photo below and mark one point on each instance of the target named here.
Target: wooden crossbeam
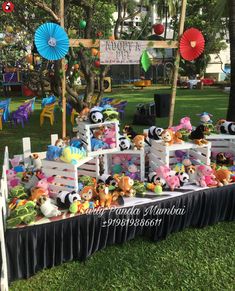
(96, 43)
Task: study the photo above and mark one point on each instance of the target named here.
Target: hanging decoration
(9, 29)
(76, 67)
(94, 52)
(51, 41)
(82, 24)
(145, 61)
(99, 34)
(97, 63)
(158, 28)
(192, 44)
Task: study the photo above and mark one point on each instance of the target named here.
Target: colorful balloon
(82, 24)
(97, 63)
(158, 28)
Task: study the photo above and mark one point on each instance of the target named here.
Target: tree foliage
(200, 14)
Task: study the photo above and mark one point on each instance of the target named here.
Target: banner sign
(125, 52)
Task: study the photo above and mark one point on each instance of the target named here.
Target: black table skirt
(34, 248)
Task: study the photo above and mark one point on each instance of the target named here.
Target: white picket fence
(3, 216)
(25, 157)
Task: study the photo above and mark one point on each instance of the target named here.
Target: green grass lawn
(188, 103)
(195, 259)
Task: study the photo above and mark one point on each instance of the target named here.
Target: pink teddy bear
(205, 176)
(44, 184)
(185, 123)
(165, 173)
(12, 179)
(110, 137)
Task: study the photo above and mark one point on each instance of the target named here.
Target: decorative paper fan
(145, 61)
(51, 41)
(191, 44)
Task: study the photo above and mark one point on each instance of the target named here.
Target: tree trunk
(90, 88)
(231, 105)
(56, 80)
(88, 30)
(119, 20)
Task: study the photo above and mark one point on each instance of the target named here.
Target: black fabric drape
(37, 247)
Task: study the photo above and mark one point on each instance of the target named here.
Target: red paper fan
(192, 44)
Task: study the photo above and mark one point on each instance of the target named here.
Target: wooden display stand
(139, 154)
(161, 155)
(222, 143)
(66, 175)
(84, 133)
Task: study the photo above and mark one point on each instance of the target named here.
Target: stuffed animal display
(169, 137)
(225, 127)
(185, 123)
(198, 135)
(106, 166)
(126, 164)
(72, 155)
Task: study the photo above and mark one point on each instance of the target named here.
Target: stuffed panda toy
(227, 127)
(155, 132)
(183, 178)
(96, 115)
(65, 198)
(124, 143)
(153, 178)
(107, 180)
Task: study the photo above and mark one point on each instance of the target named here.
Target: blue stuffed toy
(77, 143)
(97, 144)
(53, 153)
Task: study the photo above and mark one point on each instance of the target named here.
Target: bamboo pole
(63, 80)
(154, 43)
(177, 62)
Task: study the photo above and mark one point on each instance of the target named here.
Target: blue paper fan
(51, 41)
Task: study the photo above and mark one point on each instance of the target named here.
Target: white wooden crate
(139, 154)
(27, 152)
(222, 143)
(84, 133)
(161, 155)
(66, 175)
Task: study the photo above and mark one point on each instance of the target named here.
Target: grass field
(188, 103)
(195, 259)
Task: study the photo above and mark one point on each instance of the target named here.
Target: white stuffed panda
(65, 198)
(153, 178)
(155, 132)
(108, 180)
(124, 143)
(227, 127)
(183, 178)
(96, 116)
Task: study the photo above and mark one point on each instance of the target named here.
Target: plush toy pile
(30, 193)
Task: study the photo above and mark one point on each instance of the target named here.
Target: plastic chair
(22, 114)
(32, 102)
(73, 114)
(105, 100)
(115, 101)
(1, 115)
(48, 111)
(5, 105)
(48, 100)
(121, 108)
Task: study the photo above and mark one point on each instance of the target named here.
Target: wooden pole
(177, 62)
(63, 80)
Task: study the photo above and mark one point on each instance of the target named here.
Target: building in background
(161, 70)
